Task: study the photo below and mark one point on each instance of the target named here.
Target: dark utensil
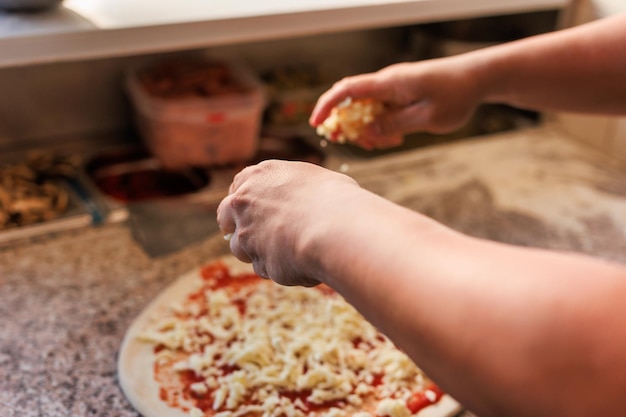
(166, 226)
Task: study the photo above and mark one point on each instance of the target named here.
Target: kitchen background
(41, 61)
(63, 71)
(67, 299)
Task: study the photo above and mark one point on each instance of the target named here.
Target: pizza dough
(137, 367)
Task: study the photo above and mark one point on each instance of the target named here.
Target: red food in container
(197, 113)
(131, 174)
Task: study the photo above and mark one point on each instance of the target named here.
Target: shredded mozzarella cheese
(347, 120)
(286, 339)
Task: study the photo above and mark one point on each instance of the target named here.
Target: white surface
(83, 29)
(604, 8)
(129, 13)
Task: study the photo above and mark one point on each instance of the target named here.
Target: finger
(238, 179)
(359, 86)
(325, 104)
(387, 142)
(365, 143)
(395, 123)
(225, 216)
(371, 139)
(237, 249)
(260, 270)
(241, 177)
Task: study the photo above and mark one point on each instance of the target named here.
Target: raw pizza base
(136, 358)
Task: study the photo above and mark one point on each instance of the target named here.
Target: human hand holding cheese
(349, 120)
(295, 203)
(375, 110)
(563, 71)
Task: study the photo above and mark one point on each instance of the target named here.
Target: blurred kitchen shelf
(87, 29)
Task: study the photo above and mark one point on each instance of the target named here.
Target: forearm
(508, 331)
(581, 69)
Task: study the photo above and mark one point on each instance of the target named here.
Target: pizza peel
(162, 227)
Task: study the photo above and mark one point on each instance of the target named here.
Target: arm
(580, 69)
(507, 331)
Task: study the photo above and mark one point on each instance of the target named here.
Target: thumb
(413, 118)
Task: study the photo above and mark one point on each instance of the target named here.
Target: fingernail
(228, 236)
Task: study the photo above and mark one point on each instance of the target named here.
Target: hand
(274, 210)
(437, 96)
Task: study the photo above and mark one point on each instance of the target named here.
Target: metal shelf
(87, 29)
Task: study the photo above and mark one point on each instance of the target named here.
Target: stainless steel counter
(66, 301)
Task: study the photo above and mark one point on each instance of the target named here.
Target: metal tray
(77, 215)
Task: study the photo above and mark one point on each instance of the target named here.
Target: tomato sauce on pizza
(238, 345)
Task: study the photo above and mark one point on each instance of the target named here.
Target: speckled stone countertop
(66, 301)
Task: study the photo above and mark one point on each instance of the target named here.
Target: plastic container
(185, 129)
